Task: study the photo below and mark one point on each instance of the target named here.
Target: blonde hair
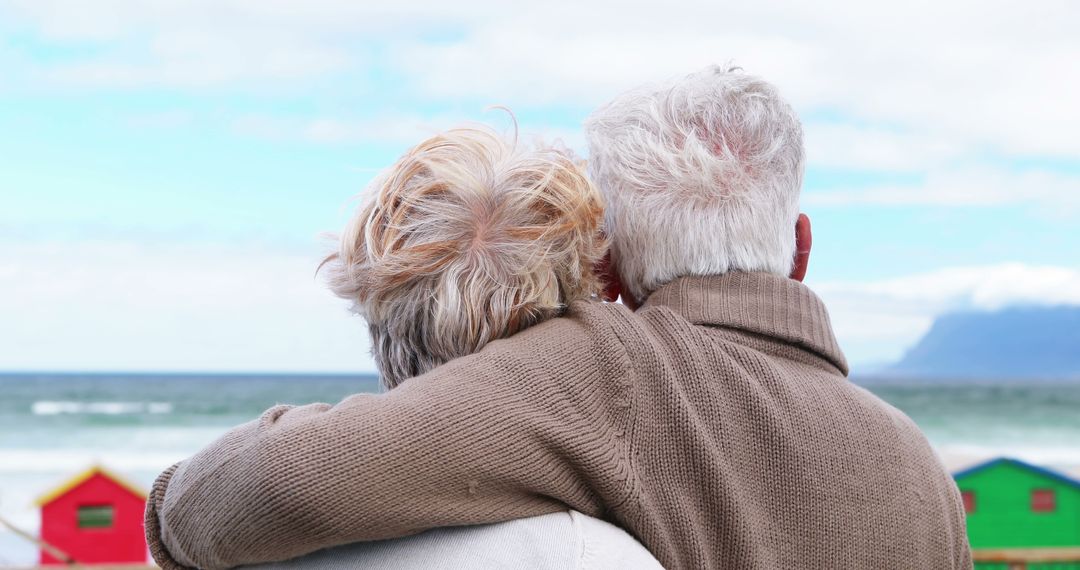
(468, 238)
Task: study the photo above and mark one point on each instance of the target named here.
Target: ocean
(53, 426)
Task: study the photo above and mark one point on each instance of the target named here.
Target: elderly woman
(468, 239)
(465, 240)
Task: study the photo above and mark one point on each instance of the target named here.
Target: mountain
(1019, 342)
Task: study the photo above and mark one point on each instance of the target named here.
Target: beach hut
(94, 517)
(1013, 504)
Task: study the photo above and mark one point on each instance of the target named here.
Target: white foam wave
(52, 408)
(120, 447)
(70, 461)
(1061, 457)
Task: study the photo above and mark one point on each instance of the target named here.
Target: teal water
(1035, 421)
(51, 401)
(53, 426)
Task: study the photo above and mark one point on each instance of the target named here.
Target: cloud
(121, 305)
(942, 90)
(951, 94)
(877, 320)
(841, 145)
(169, 119)
(402, 130)
(108, 20)
(967, 73)
(1054, 193)
(385, 129)
(202, 60)
(975, 288)
(529, 60)
(191, 45)
(974, 74)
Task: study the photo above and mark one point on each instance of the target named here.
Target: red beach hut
(94, 517)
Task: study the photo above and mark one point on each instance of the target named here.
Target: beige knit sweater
(715, 424)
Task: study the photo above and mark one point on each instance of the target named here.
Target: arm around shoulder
(486, 438)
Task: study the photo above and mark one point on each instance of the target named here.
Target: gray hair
(466, 239)
(700, 175)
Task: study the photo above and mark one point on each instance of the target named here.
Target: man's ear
(610, 278)
(804, 239)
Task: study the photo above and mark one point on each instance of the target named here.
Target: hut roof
(82, 477)
(1057, 476)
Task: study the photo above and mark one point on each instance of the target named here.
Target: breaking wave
(53, 408)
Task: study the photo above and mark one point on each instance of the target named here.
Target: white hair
(700, 175)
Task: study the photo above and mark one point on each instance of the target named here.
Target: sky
(167, 168)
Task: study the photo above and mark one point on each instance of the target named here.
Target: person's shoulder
(906, 427)
(588, 342)
(584, 349)
(894, 428)
(593, 309)
(583, 324)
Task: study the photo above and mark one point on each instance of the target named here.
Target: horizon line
(185, 373)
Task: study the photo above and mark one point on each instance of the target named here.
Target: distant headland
(1040, 343)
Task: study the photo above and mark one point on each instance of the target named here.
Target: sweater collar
(760, 303)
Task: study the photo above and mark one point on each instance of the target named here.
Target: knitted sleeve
(528, 426)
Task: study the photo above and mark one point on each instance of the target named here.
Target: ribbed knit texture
(715, 424)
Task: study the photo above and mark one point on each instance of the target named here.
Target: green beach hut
(1011, 504)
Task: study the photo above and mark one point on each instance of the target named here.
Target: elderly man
(709, 415)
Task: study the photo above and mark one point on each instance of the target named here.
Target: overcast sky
(167, 167)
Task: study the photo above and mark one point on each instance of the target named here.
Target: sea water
(54, 426)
